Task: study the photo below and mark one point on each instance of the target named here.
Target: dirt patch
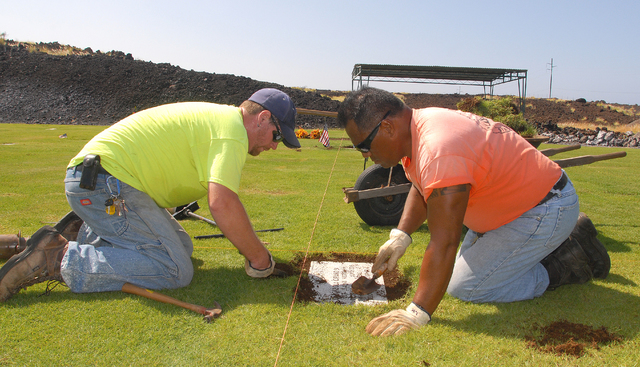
(396, 283)
(566, 338)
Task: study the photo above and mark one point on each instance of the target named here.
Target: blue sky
(594, 44)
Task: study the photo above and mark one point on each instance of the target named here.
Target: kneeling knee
(458, 290)
(468, 293)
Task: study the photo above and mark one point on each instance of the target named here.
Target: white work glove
(398, 322)
(392, 250)
(259, 273)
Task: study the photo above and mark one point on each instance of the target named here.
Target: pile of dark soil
(96, 88)
(566, 338)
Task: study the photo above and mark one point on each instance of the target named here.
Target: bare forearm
(435, 273)
(446, 210)
(235, 225)
(233, 221)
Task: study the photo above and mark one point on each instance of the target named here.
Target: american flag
(324, 137)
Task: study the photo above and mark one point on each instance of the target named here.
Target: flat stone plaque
(332, 283)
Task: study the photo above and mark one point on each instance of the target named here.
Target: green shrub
(501, 110)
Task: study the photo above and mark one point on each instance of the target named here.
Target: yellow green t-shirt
(171, 152)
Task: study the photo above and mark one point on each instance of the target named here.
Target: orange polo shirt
(508, 176)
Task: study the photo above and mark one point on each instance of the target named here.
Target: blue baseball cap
(281, 106)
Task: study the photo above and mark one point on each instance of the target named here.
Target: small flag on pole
(324, 137)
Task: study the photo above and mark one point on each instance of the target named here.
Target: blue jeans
(503, 265)
(145, 246)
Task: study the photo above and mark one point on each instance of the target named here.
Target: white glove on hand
(259, 273)
(392, 250)
(398, 322)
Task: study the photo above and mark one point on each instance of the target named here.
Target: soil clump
(567, 338)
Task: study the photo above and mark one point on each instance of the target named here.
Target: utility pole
(551, 78)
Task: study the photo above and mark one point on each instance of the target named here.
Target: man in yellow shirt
(123, 179)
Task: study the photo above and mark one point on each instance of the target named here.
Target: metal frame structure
(484, 77)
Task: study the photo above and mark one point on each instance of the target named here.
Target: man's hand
(398, 322)
(392, 250)
(259, 273)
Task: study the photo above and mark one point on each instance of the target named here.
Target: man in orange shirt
(525, 235)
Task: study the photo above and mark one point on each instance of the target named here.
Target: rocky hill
(100, 89)
(86, 87)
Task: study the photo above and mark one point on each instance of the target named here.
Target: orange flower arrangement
(302, 134)
(315, 134)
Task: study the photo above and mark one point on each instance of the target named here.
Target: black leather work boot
(38, 262)
(568, 264)
(585, 234)
(69, 226)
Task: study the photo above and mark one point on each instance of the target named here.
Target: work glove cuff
(259, 273)
(421, 316)
(391, 251)
(401, 236)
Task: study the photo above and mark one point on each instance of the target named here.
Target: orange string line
(304, 260)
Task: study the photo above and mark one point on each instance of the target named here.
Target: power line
(551, 77)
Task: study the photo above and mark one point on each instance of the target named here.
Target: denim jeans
(503, 265)
(144, 246)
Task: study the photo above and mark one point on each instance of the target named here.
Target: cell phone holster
(90, 168)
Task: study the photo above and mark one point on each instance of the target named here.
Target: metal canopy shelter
(484, 77)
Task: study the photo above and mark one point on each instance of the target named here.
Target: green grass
(301, 191)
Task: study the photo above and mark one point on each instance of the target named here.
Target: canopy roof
(485, 77)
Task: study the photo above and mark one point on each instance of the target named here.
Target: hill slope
(86, 87)
(101, 89)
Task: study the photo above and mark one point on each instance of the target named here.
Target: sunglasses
(277, 135)
(365, 145)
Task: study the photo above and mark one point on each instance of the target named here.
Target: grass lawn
(261, 326)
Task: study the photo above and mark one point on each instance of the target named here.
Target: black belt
(560, 184)
(100, 169)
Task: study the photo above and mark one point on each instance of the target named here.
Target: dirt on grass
(567, 338)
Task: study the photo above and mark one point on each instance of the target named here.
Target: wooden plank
(588, 159)
(554, 151)
(352, 195)
(306, 111)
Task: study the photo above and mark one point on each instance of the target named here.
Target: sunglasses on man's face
(277, 135)
(365, 145)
